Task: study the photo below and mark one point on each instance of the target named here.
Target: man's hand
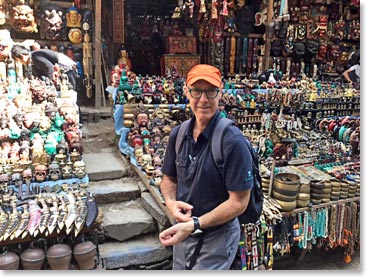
(177, 233)
(181, 211)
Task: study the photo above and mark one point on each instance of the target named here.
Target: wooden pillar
(97, 54)
(270, 12)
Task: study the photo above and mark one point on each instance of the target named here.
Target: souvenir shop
(282, 62)
(47, 214)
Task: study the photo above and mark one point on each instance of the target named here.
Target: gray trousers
(217, 253)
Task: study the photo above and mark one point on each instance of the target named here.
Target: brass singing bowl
(282, 197)
(287, 181)
(302, 203)
(305, 188)
(303, 196)
(287, 206)
(316, 202)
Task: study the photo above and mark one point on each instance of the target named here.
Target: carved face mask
(67, 171)
(17, 178)
(312, 47)
(79, 169)
(53, 25)
(40, 172)
(27, 175)
(4, 179)
(23, 19)
(335, 52)
(54, 171)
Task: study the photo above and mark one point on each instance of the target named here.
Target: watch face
(86, 26)
(197, 233)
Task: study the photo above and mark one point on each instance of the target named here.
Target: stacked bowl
(285, 190)
(335, 189)
(320, 191)
(304, 197)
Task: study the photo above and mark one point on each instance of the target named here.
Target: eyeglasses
(196, 93)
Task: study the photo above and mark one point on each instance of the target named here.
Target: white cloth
(65, 62)
(356, 68)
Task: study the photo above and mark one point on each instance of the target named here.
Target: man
(43, 62)
(352, 73)
(197, 195)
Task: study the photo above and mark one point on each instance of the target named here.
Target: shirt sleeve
(169, 161)
(354, 67)
(237, 167)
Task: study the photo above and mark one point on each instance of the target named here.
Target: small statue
(190, 6)
(124, 61)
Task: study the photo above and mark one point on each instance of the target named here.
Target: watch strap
(196, 224)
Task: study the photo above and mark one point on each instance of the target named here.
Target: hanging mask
(23, 19)
(312, 48)
(334, 52)
(276, 48)
(73, 17)
(53, 26)
(299, 48)
(6, 43)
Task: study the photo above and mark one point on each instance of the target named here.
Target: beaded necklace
(332, 226)
(304, 229)
(312, 226)
(300, 230)
(326, 222)
(295, 231)
(340, 222)
(350, 250)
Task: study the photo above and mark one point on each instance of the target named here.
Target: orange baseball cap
(204, 72)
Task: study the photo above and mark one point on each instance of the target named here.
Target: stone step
(117, 190)
(151, 206)
(92, 114)
(144, 250)
(122, 221)
(104, 166)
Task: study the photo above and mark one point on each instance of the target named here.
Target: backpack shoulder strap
(216, 141)
(180, 135)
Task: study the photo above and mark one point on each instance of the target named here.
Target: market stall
(310, 160)
(47, 214)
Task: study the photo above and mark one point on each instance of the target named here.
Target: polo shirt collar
(208, 130)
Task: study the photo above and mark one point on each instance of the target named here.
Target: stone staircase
(132, 219)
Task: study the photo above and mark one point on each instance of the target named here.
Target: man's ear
(185, 90)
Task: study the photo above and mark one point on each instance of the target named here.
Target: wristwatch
(197, 228)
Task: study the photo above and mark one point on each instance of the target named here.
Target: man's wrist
(196, 227)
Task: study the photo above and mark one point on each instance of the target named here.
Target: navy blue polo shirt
(199, 181)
